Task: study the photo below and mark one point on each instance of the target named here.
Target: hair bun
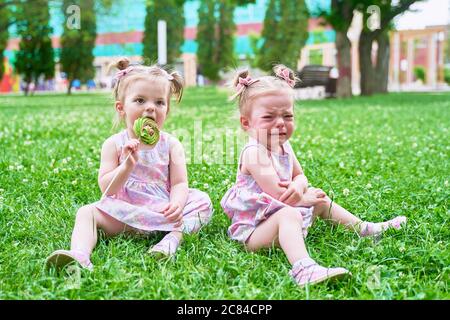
(122, 63)
(240, 74)
(285, 73)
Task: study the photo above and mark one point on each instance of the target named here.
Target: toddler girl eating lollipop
(142, 175)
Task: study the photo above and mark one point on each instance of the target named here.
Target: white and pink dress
(141, 200)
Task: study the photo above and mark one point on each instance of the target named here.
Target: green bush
(447, 75)
(419, 73)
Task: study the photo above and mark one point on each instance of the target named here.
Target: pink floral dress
(247, 205)
(140, 201)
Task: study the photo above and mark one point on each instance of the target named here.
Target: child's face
(271, 118)
(145, 98)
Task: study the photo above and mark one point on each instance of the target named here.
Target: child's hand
(131, 146)
(174, 213)
(313, 197)
(293, 193)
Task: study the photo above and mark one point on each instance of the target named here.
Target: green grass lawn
(379, 157)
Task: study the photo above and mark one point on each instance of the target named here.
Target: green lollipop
(146, 130)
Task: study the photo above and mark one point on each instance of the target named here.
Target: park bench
(320, 81)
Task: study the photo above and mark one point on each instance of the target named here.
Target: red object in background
(7, 82)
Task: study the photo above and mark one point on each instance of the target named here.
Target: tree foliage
(215, 37)
(35, 57)
(172, 11)
(77, 45)
(4, 18)
(285, 32)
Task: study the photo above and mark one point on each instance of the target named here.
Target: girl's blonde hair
(248, 88)
(127, 73)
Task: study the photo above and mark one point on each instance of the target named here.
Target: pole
(162, 42)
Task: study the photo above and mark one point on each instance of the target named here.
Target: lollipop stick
(114, 178)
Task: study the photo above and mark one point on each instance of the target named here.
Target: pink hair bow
(120, 74)
(284, 74)
(245, 82)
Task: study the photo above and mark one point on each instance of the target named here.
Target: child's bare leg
(335, 213)
(88, 219)
(84, 237)
(284, 229)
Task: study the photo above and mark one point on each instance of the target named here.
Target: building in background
(120, 34)
(416, 50)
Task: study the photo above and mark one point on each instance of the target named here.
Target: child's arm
(109, 165)
(297, 187)
(256, 161)
(178, 182)
(298, 175)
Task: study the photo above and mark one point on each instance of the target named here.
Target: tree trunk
(382, 67)
(344, 62)
(35, 87)
(69, 88)
(27, 88)
(368, 78)
(374, 78)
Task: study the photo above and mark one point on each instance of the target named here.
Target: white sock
(371, 228)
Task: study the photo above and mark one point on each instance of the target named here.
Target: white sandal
(61, 258)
